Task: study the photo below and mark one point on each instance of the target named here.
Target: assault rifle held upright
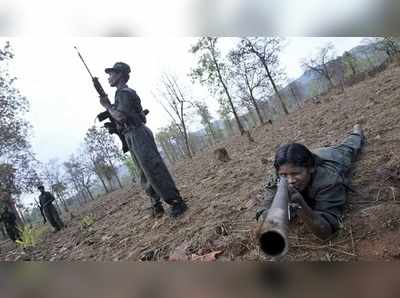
(111, 126)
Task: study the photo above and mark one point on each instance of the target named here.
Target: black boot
(157, 211)
(178, 208)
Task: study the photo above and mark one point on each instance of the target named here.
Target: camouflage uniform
(49, 211)
(154, 175)
(10, 222)
(326, 193)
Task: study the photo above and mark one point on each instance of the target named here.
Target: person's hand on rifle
(105, 102)
(296, 197)
(261, 212)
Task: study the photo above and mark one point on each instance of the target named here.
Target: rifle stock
(273, 229)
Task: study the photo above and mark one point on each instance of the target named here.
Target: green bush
(87, 221)
(30, 235)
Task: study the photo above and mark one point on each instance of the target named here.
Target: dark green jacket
(45, 199)
(8, 218)
(128, 102)
(326, 193)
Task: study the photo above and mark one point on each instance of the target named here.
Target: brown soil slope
(223, 197)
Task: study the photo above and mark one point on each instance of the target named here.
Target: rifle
(41, 210)
(111, 126)
(272, 232)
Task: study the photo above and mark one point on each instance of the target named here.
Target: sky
(64, 103)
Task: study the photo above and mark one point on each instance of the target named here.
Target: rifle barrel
(273, 238)
(80, 56)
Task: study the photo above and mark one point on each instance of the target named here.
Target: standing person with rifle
(10, 222)
(47, 209)
(128, 113)
(128, 120)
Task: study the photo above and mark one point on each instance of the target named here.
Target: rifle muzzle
(273, 232)
(273, 236)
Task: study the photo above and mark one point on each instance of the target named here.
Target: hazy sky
(64, 103)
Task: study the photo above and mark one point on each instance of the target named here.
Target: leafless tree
(266, 50)
(249, 79)
(175, 104)
(319, 63)
(79, 174)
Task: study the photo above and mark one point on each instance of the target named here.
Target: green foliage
(17, 172)
(30, 235)
(87, 221)
(208, 65)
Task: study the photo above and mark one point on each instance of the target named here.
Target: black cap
(119, 67)
(40, 187)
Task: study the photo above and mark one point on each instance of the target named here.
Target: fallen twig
(353, 246)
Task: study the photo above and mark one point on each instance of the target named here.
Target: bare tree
(79, 175)
(295, 90)
(249, 78)
(177, 104)
(319, 63)
(266, 50)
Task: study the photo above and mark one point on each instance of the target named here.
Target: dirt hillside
(223, 196)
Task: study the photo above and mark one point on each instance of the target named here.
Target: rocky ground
(223, 196)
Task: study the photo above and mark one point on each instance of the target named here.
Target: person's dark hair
(295, 154)
(40, 187)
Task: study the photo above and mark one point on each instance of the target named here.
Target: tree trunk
(253, 100)
(185, 134)
(327, 76)
(274, 86)
(239, 124)
(89, 192)
(64, 203)
(119, 181)
(103, 183)
(295, 96)
(21, 215)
